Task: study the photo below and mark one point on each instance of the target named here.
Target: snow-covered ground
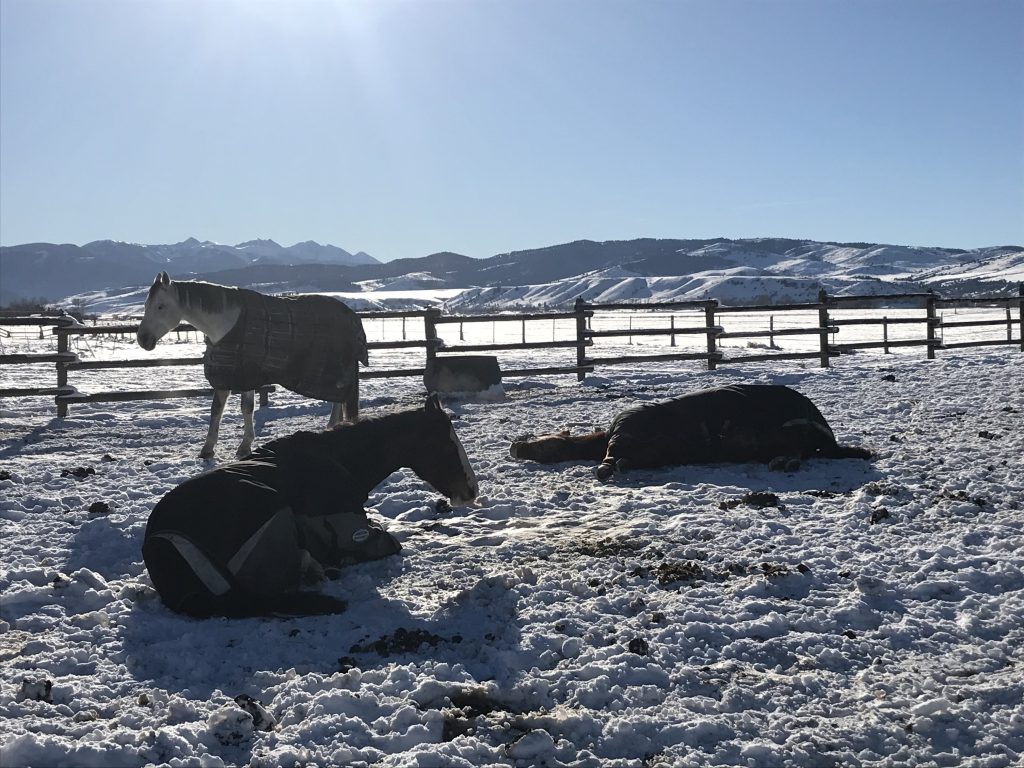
(850, 614)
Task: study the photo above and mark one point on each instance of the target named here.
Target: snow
(872, 614)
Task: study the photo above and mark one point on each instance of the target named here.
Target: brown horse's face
(444, 463)
(560, 446)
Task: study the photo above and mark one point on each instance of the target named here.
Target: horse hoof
(604, 471)
(778, 464)
(793, 465)
(206, 454)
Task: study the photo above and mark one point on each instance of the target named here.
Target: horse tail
(362, 351)
(838, 451)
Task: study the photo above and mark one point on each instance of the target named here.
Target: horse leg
(351, 404)
(248, 432)
(220, 397)
(347, 409)
(335, 415)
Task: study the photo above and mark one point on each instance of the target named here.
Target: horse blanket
(311, 345)
(741, 422)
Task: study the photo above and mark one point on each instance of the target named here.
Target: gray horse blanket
(311, 345)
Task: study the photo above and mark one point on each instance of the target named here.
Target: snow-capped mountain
(769, 271)
(53, 271)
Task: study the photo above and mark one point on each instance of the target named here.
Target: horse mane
(393, 422)
(379, 429)
(206, 297)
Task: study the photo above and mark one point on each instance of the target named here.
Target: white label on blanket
(360, 536)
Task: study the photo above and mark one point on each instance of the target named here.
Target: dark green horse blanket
(311, 345)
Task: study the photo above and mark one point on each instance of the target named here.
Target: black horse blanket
(241, 539)
(311, 345)
(738, 423)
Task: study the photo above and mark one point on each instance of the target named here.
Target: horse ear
(165, 279)
(433, 403)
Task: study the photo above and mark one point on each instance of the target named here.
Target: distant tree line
(39, 306)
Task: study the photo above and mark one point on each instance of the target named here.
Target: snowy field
(850, 614)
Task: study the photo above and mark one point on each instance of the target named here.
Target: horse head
(162, 312)
(560, 446)
(441, 460)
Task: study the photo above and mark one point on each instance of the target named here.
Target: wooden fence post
(581, 336)
(1020, 315)
(672, 326)
(709, 321)
(429, 332)
(929, 309)
(62, 370)
(823, 326)
(885, 334)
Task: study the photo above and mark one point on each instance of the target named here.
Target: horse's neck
(213, 325)
(593, 446)
(373, 457)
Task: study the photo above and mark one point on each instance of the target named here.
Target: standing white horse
(311, 345)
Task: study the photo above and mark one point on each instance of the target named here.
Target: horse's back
(754, 404)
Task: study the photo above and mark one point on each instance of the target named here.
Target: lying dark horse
(241, 539)
(739, 423)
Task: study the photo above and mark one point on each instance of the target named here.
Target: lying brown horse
(241, 539)
(739, 423)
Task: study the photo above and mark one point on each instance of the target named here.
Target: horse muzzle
(146, 340)
(538, 450)
(527, 450)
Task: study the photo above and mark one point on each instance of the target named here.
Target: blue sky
(484, 126)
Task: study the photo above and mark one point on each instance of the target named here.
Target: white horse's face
(163, 312)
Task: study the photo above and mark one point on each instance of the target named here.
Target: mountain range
(52, 271)
(734, 271)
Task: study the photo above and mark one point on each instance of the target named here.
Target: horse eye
(159, 306)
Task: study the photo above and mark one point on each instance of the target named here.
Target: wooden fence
(582, 314)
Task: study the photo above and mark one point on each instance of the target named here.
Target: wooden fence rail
(583, 340)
